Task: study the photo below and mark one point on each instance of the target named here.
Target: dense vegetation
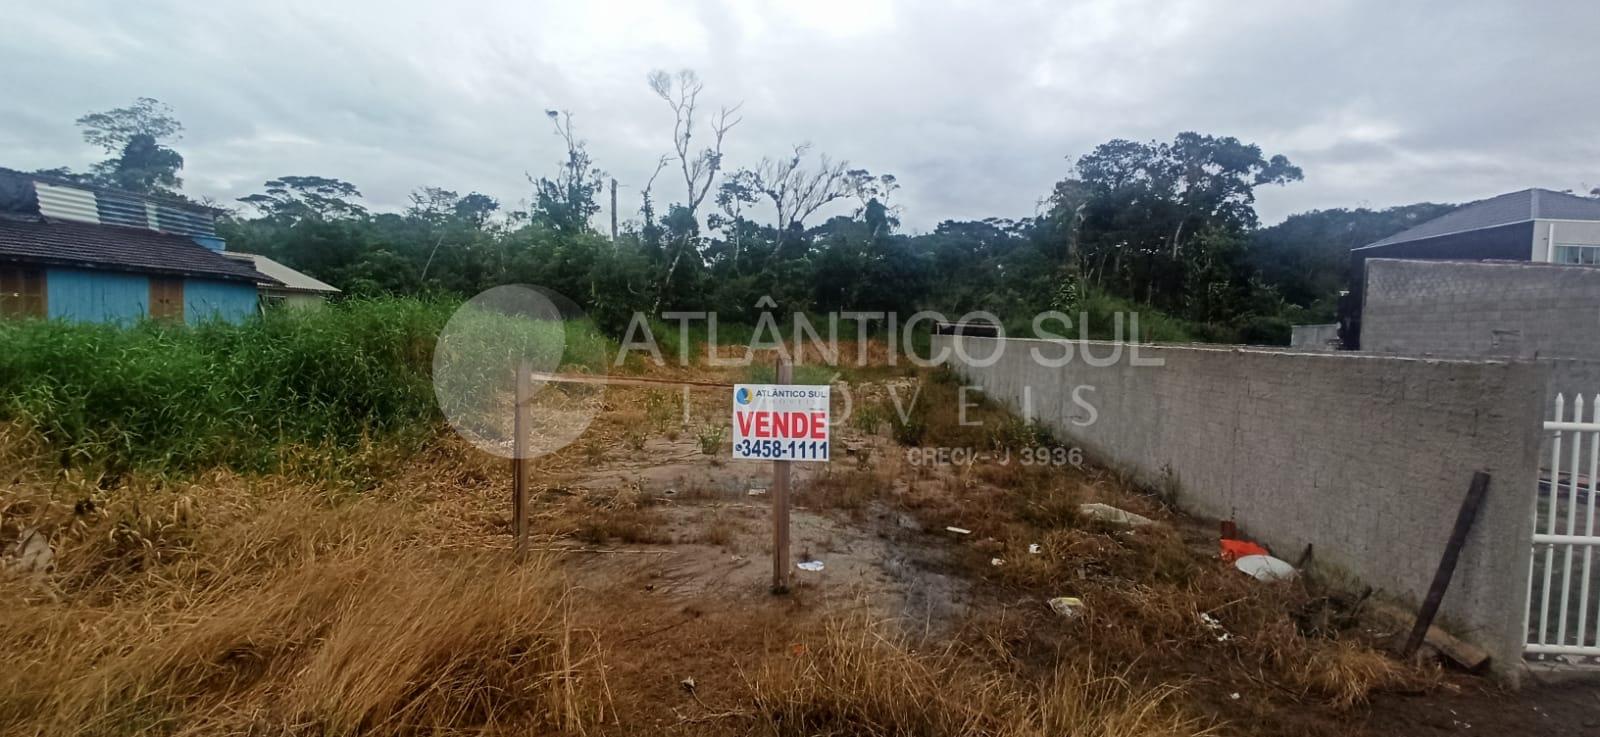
(257, 396)
(1165, 228)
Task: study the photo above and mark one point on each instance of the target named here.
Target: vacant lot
(272, 603)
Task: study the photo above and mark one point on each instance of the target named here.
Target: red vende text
(787, 425)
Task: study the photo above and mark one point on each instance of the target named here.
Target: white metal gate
(1559, 604)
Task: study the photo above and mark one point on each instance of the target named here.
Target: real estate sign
(780, 422)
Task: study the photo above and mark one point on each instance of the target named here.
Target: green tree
(292, 199)
(112, 130)
(136, 137)
(1137, 210)
(432, 204)
(736, 193)
(476, 208)
(568, 201)
(144, 166)
(1307, 256)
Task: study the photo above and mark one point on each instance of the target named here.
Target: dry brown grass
(1346, 673)
(265, 605)
(369, 644)
(1083, 701)
(602, 517)
(720, 528)
(863, 678)
(847, 490)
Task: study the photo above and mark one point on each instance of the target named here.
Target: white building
(294, 289)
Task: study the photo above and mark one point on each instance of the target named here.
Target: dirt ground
(645, 607)
(886, 551)
(1480, 708)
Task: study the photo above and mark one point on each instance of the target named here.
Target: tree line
(1167, 228)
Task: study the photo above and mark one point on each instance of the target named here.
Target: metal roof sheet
(287, 277)
(1512, 207)
(167, 200)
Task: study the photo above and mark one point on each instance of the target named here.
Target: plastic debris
(1265, 568)
(1034, 549)
(757, 491)
(1233, 550)
(687, 684)
(997, 562)
(1108, 513)
(1067, 606)
(1215, 626)
(1234, 696)
(809, 565)
(959, 531)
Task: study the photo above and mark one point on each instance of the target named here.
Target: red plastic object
(1233, 550)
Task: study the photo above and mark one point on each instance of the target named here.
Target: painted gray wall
(1464, 309)
(1366, 457)
(1460, 308)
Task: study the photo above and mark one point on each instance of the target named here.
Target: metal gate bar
(1578, 434)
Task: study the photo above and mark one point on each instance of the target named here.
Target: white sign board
(780, 422)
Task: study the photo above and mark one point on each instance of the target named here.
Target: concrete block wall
(1572, 377)
(1365, 457)
(1547, 312)
(1495, 308)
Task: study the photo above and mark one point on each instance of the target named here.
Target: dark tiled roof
(116, 248)
(1515, 207)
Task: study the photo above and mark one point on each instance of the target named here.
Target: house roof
(161, 199)
(116, 248)
(287, 278)
(1514, 207)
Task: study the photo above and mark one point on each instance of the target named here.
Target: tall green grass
(173, 398)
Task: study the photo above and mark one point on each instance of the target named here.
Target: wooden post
(780, 503)
(519, 462)
(613, 213)
(1447, 563)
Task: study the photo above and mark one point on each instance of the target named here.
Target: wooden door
(166, 298)
(22, 292)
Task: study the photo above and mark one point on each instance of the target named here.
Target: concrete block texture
(1366, 457)
(1469, 308)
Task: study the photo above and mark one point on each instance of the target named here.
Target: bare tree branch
(797, 192)
(681, 92)
(648, 207)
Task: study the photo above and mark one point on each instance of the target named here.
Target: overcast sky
(977, 107)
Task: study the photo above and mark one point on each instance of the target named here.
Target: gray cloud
(977, 107)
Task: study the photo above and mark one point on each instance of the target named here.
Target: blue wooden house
(82, 253)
